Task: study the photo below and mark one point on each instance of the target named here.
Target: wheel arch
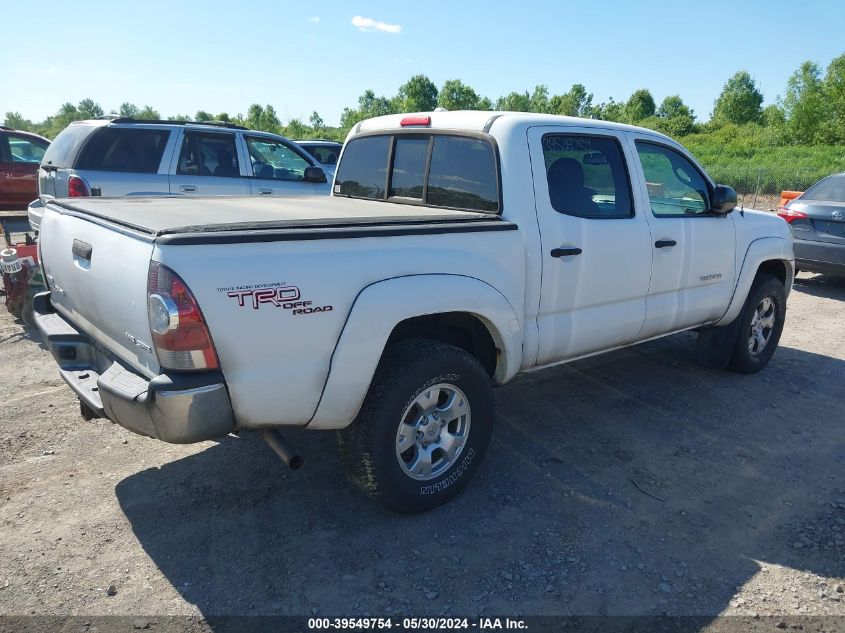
(772, 255)
(460, 310)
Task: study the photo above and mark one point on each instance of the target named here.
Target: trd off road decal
(278, 295)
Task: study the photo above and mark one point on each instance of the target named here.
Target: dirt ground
(631, 483)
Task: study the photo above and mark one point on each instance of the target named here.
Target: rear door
(694, 270)
(207, 164)
(98, 279)
(596, 249)
(278, 169)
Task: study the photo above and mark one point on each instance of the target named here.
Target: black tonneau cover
(165, 217)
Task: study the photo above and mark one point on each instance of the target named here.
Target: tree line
(811, 111)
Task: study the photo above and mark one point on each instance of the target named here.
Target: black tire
(744, 359)
(368, 446)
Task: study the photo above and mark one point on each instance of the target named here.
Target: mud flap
(715, 345)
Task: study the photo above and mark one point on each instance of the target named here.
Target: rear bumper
(821, 257)
(181, 408)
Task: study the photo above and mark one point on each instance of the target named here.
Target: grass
(751, 158)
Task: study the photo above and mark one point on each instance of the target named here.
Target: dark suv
(20, 153)
(128, 157)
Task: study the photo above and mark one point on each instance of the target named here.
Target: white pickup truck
(458, 249)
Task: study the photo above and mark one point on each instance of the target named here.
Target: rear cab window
(124, 149)
(426, 168)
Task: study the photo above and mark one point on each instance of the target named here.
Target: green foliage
(263, 118)
(609, 111)
(16, 121)
(834, 87)
(807, 107)
(576, 102)
(316, 122)
(750, 156)
(296, 129)
(456, 95)
(514, 102)
(740, 101)
(539, 99)
(418, 94)
(639, 106)
(369, 105)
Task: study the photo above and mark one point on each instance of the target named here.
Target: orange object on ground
(786, 196)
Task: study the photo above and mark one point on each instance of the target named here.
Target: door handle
(565, 252)
(265, 192)
(664, 243)
(188, 188)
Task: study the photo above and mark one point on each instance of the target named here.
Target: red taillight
(789, 215)
(76, 188)
(180, 335)
(415, 120)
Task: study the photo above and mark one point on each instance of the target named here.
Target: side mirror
(724, 200)
(315, 174)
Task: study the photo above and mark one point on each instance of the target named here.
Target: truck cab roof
(484, 121)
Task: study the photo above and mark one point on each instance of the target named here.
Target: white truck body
(366, 267)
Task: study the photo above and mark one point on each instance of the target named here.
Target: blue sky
(302, 56)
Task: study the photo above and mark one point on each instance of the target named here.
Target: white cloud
(368, 24)
(314, 19)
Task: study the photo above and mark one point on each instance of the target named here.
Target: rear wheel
(761, 324)
(423, 428)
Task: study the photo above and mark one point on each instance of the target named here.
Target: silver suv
(128, 157)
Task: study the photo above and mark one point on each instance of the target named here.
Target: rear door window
(439, 170)
(208, 154)
(123, 149)
(587, 176)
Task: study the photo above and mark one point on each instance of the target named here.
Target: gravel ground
(631, 483)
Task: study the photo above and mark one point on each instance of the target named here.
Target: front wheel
(423, 428)
(761, 324)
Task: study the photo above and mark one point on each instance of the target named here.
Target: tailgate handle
(82, 249)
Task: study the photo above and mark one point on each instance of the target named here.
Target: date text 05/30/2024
(413, 624)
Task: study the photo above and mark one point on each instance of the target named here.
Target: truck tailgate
(98, 279)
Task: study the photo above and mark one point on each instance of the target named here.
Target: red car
(20, 155)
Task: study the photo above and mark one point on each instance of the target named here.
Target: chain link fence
(760, 187)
